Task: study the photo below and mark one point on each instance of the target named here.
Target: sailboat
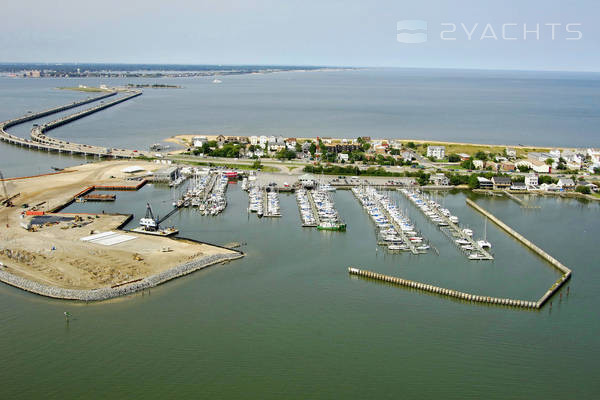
(484, 243)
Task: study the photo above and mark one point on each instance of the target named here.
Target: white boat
(484, 244)
(467, 232)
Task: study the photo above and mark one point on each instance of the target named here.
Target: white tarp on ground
(132, 169)
(107, 238)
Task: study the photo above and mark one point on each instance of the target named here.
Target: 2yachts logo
(411, 31)
(415, 31)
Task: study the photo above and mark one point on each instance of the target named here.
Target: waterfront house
(549, 187)
(263, 140)
(439, 180)
(531, 180)
(407, 156)
(511, 153)
(221, 140)
(594, 155)
(254, 140)
(566, 184)
(518, 186)
(484, 183)
(501, 182)
(593, 187)
(437, 152)
(342, 157)
(463, 156)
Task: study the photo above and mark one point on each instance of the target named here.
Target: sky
(478, 34)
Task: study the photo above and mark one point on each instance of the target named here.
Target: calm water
(287, 321)
(561, 109)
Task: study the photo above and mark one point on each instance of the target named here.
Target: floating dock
(452, 230)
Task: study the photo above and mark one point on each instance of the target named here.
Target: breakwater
(119, 290)
(444, 291)
(566, 272)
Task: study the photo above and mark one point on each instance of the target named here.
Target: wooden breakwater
(566, 272)
(444, 291)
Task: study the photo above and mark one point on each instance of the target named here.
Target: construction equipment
(149, 222)
(6, 200)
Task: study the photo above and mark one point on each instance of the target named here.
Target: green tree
(549, 161)
(453, 157)
(583, 189)
(480, 155)
(411, 145)
(473, 181)
(312, 149)
(467, 164)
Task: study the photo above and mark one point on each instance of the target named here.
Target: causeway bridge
(40, 141)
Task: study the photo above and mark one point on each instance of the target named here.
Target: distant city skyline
(464, 34)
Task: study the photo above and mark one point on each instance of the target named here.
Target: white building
(531, 180)
(263, 140)
(438, 152)
(198, 141)
(511, 153)
(254, 140)
(439, 180)
(342, 157)
(594, 154)
(479, 164)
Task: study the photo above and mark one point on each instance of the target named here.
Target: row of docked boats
(206, 192)
(328, 217)
(449, 224)
(305, 208)
(256, 201)
(395, 230)
(273, 206)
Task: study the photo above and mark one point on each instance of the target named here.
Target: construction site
(86, 256)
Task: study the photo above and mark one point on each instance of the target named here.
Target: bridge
(40, 141)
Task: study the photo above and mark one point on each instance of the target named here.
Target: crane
(149, 222)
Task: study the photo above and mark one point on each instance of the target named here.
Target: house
(594, 155)
(566, 184)
(463, 156)
(342, 157)
(531, 180)
(198, 141)
(537, 166)
(439, 180)
(221, 140)
(437, 152)
(507, 166)
(262, 141)
(593, 187)
(501, 182)
(484, 183)
(479, 164)
(254, 140)
(511, 153)
(407, 156)
(549, 187)
(345, 148)
(518, 186)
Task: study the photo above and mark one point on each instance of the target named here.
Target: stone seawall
(108, 292)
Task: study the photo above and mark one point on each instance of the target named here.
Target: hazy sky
(306, 32)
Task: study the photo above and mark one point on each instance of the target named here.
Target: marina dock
(313, 207)
(450, 228)
(402, 236)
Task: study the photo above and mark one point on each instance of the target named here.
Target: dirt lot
(55, 255)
